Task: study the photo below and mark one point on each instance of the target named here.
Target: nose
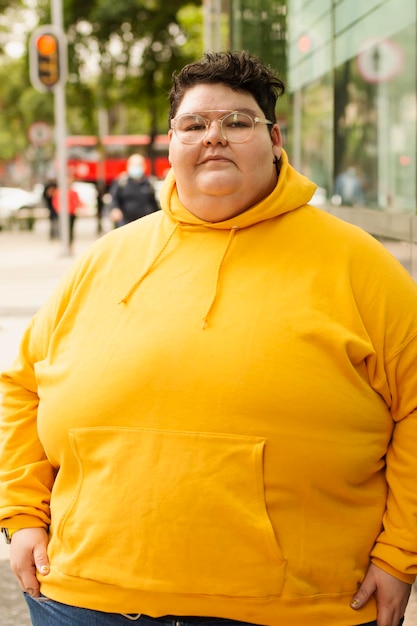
(214, 134)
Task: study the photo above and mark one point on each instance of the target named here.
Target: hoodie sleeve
(390, 301)
(26, 473)
(26, 476)
(395, 550)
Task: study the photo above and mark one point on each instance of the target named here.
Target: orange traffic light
(47, 44)
(46, 55)
(47, 48)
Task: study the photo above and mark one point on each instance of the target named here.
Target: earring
(277, 164)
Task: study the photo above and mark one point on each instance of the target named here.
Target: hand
(116, 215)
(28, 556)
(391, 596)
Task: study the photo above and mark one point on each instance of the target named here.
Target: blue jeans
(45, 612)
(374, 623)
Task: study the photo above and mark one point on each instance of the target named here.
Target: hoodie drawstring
(219, 268)
(132, 290)
(147, 271)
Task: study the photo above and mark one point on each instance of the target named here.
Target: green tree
(121, 58)
(135, 46)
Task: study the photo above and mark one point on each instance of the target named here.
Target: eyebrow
(241, 110)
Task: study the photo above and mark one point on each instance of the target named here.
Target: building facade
(352, 78)
(255, 25)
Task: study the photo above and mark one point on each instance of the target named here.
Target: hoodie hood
(291, 192)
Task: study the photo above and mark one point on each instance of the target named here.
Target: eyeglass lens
(236, 127)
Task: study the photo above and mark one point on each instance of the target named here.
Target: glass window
(316, 132)
(375, 121)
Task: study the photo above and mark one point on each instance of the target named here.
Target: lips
(214, 157)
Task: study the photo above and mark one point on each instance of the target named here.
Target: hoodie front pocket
(168, 511)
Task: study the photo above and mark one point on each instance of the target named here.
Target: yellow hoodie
(204, 415)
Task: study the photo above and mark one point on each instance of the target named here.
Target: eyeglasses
(235, 126)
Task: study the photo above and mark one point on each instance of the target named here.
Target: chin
(213, 216)
(218, 181)
(214, 208)
(218, 188)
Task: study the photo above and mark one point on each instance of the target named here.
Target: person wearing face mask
(132, 193)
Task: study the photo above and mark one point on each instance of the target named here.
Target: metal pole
(60, 140)
(297, 139)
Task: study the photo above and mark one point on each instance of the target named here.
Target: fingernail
(355, 603)
(30, 591)
(44, 569)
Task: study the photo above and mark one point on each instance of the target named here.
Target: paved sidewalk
(30, 267)
(411, 613)
(13, 611)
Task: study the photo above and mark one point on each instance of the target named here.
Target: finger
(389, 615)
(386, 618)
(361, 597)
(30, 585)
(26, 577)
(41, 560)
(43, 569)
(34, 593)
(18, 578)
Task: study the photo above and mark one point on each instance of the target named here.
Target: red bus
(86, 163)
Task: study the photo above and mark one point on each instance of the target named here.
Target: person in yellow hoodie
(213, 419)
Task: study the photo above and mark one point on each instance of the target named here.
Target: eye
(191, 123)
(238, 120)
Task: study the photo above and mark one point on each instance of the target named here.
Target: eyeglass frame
(255, 120)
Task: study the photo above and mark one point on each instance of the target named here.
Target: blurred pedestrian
(348, 187)
(73, 204)
(48, 192)
(101, 191)
(132, 193)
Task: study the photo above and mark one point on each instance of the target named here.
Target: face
(136, 166)
(217, 180)
(136, 159)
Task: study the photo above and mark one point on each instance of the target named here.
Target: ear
(170, 134)
(276, 141)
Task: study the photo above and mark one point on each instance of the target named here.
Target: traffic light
(47, 57)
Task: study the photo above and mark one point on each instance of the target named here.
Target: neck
(219, 208)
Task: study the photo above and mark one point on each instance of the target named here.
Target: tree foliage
(121, 57)
(137, 45)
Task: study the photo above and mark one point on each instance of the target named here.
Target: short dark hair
(241, 71)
